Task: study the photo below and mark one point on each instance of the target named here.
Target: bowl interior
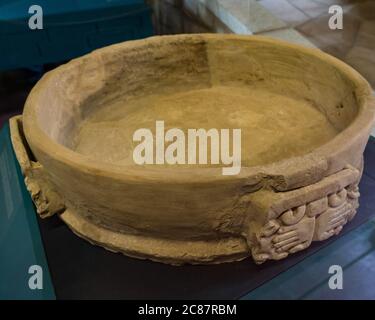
(287, 101)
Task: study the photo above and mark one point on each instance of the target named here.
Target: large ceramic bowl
(305, 119)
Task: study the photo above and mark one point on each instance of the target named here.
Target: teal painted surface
(70, 29)
(354, 252)
(20, 242)
(18, 9)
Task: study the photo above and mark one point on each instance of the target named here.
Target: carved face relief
(294, 229)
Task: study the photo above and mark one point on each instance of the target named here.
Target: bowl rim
(326, 152)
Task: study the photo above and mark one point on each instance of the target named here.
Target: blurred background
(72, 28)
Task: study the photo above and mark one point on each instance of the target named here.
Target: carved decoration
(294, 229)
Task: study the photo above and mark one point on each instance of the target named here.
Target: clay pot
(301, 162)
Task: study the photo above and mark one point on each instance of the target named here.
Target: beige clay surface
(274, 127)
(305, 119)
